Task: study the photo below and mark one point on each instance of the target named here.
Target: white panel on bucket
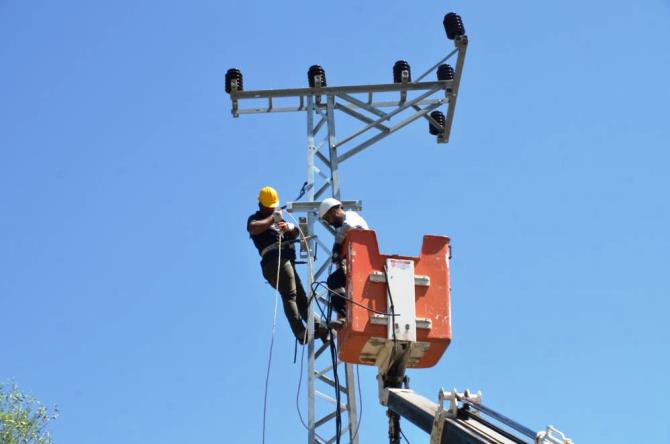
(400, 295)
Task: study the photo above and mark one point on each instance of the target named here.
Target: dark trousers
(336, 282)
(292, 293)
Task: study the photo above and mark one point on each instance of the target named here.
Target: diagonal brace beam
(360, 117)
(361, 104)
(388, 116)
(380, 136)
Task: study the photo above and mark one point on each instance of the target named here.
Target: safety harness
(272, 247)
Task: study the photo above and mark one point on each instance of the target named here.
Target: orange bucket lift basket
(419, 293)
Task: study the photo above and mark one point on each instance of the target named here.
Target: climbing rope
(272, 340)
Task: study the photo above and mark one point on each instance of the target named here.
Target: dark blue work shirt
(270, 237)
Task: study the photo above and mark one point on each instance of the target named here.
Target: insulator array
(439, 118)
(445, 72)
(316, 70)
(453, 25)
(398, 68)
(231, 75)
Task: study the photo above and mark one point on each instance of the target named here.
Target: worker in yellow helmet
(266, 226)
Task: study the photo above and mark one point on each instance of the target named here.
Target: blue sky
(131, 296)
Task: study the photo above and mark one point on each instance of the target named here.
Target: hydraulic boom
(464, 421)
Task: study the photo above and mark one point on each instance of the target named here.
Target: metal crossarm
(323, 100)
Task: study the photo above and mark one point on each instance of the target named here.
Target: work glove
(277, 215)
(286, 226)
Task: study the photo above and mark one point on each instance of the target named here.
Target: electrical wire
(395, 340)
(297, 395)
(358, 378)
(358, 381)
(314, 298)
(360, 396)
(333, 357)
(336, 381)
(272, 341)
(302, 355)
(313, 295)
(392, 315)
(302, 192)
(333, 347)
(360, 402)
(333, 292)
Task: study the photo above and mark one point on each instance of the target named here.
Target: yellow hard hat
(268, 197)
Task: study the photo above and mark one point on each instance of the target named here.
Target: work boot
(322, 332)
(337, 324)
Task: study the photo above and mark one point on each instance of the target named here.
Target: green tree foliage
(22, 418)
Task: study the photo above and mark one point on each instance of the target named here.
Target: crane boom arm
(471, 423)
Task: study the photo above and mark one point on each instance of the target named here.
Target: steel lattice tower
(323, 105)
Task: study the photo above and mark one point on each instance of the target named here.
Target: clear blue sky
(131, 296)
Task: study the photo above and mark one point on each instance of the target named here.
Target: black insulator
(316, 70)
(398, 68)
(453, 25)
(233, 74)
(445, 72)
(439, 118)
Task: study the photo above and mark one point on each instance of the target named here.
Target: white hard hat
(326, 205)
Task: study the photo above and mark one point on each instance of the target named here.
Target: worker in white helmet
(266, 228)
(331, 212)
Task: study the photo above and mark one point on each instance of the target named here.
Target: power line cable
(333, 346)
(360, 402)
(332, 292)
(333, 349)
(297, 395)
(302, 355)
(272, 341)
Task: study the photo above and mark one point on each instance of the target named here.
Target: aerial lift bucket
(396, 300)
